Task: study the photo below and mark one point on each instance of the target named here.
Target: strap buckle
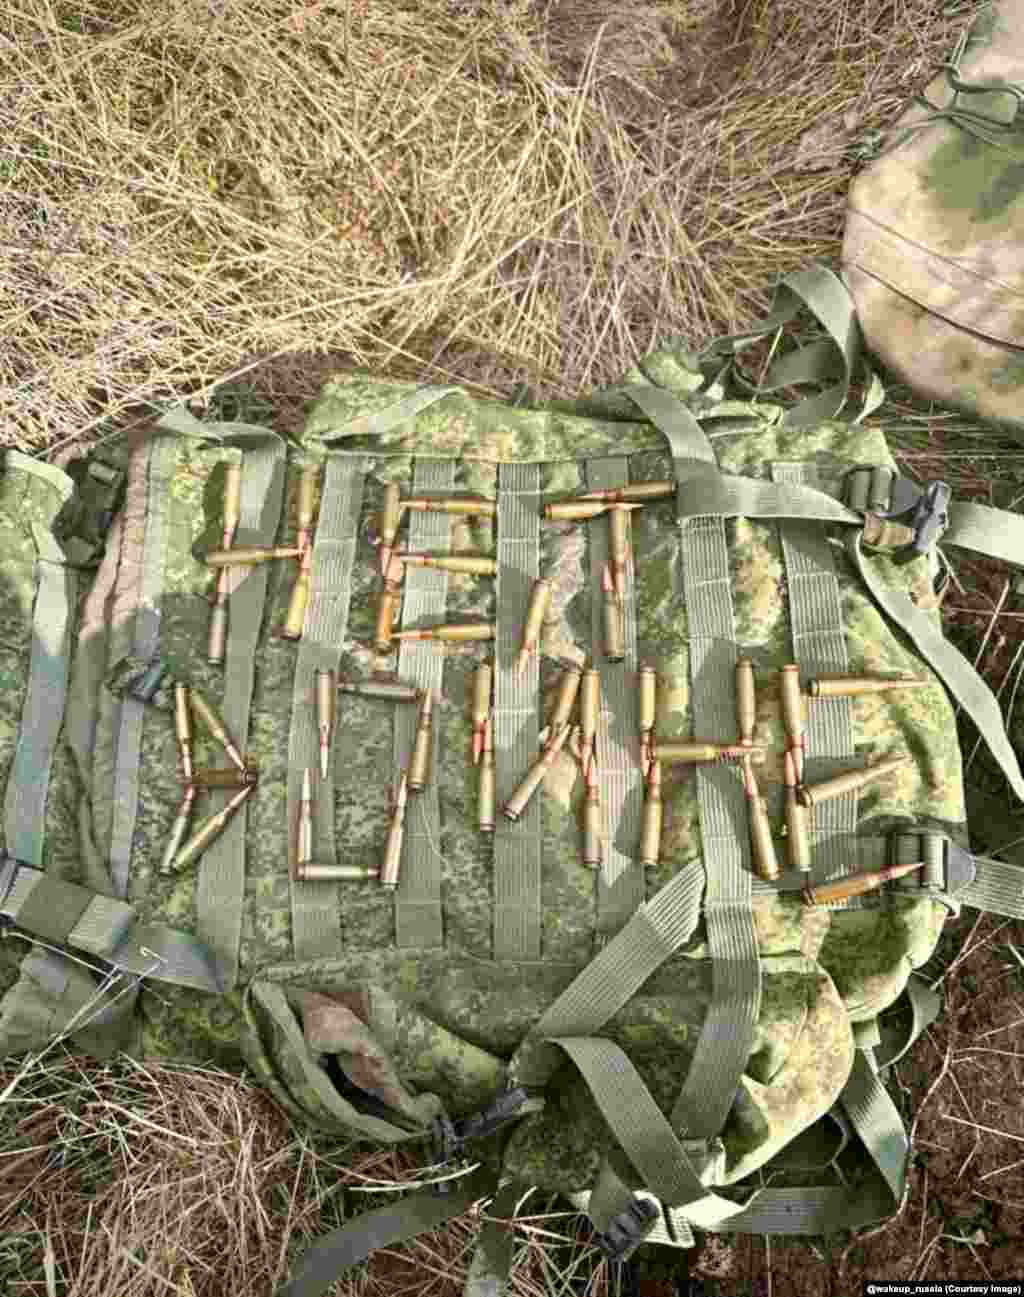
(922, 513)
(948, 868)
(627, 1230)
(450, 1137)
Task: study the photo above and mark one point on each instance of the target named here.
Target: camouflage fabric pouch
(932, 249)
(619, 1007)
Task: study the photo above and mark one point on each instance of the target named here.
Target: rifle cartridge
(312, 871)
(635, 491)
(230, 777)
(851, 686)
(793, 715)
(481, 706)
(762, 844)
(618, 547)
(178, 830)
(471, 564)
(216, 726)
(452, 634)
(853, 782)
(304, 848)
(232, 502)
(208, 831)
(183, 728)
(746, 702)
(391, 863)
(650, 824)
(580, 509)
(248, 555)
(593, 828)
(390, 517)
(307, 505)
(485, 810)
(216, 644)
(326, 695)
(590, 713)
(534, 777)
(798, 838)
(647, 681)
(540, 598)
(296, 618)
(467, 507)
(565, 700)
(857, 884)
(419, 763)
(691, 753)
(614, 631)
(389, 689)
(387, 610)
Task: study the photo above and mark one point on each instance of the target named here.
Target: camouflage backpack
(644, 1015)
(932, 244)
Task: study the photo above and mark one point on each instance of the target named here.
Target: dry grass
(486, 191)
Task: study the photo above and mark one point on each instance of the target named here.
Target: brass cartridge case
(854, 781)
(481, 706)
(580, 509)
(453, 634)
(611, 608)
(387, 610)
(651, 819)
(590, 712)
(183, 729)
(534, 777)
(208, 832)
(389, 689)
(232, 501)
(565, 700)
(486, 805)
(419, 762)
(296, 617)
(311, 871)
(857, 884)
(690, 753)
(391, 863)
(304, 849)
(471, 564)
(540, 598)
(216, 644)
(248, 555)
(216, 726)
(307, 505)
(746, 702)
(390, 517)
(326, 696)
(762, 844)
(618, 548)
(466, 507)
(642, 491)
(593, 827)
(851, 686)
(178, 830)
(231, 777)
(798, 837)
(793, 715)
(647, 710)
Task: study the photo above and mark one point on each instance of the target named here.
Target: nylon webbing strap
(517, 846)
(220, 885)
(315, 914)
(657, 929)
(161, 460)
(819, 648)
(43, 708)
(670, 1229)
(620, 883)
(492, 1259)
(997, 886)
(425, 591)
(329, 1257)
(390, 416)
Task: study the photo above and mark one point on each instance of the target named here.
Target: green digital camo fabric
(412, 1030)
(932, 250)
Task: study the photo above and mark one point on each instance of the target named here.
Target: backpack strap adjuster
(921, 513)
(947, 868)
(628, 1229)
(450, 1137)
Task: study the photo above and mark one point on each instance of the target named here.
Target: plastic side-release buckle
(922, 511)
(627, 1230)
(450, 1137)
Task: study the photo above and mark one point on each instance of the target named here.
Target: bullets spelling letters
(391, 864)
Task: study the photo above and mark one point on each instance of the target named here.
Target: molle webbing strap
(221, 882)
(620, 883)
(418, 921)
(43, 708)
(819, 648)
(997, 887)
(517, 847)
(315, 911)
(161, 459)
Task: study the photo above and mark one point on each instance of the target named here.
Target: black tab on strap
(450, 1137)
(628, 1230)
(924, 511)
